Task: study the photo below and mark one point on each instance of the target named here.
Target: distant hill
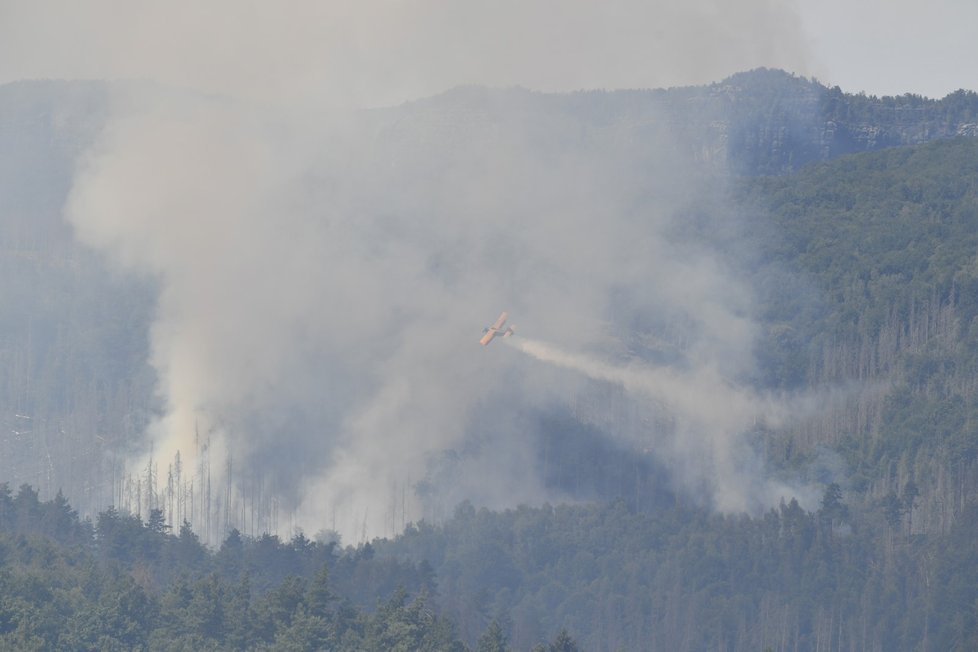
(773, 122)
(761, 122)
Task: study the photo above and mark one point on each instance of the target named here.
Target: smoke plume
(710, 417)
(324, 272)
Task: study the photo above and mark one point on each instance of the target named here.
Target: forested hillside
(889, 245)
(137, 586)
(865, 271)
(869, 281)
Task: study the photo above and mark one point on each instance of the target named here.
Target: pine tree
(493, 639)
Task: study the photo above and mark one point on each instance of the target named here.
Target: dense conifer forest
(125, 584)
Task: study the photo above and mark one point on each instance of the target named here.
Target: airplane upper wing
(487, 337)
(499, 322)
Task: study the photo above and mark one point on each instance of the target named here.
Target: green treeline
(124, 584)
(679, 578)
(685, 579)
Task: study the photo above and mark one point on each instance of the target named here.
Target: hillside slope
(867, 265)
(865, 269)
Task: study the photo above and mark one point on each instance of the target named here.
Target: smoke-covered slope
(868, 263)
(76, 335)
(852, 287)
(75, 384)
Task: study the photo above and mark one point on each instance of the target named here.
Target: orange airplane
(496, 329)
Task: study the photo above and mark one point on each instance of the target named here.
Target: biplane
(496, 330)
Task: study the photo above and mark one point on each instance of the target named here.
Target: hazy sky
(890, 47)
(382, 51)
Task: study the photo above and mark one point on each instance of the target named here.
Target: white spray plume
(711, 417)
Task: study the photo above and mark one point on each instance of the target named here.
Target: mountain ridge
(801, 120)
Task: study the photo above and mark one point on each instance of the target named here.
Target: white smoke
(324, 276)
(711, 417)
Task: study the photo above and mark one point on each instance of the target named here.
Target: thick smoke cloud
(324, 274)
(322, 290)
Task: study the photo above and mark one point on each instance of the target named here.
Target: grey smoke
(324, 273)
(322, 292)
